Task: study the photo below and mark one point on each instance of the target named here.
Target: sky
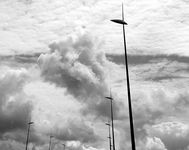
(60, 59)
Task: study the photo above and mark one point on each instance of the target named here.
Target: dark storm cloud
(27, 58)
(15, 107)
(165, 70)
(13, 114)
(15, 117)
(20, 59)
(146, 59)
(165, 77)
(75, 66)
(79, 67)
(156, 68)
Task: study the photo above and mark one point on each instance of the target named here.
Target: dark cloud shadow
(146, 59)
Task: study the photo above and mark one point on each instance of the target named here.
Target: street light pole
(28, 134)
(112, 120)
(108, 124)
(128, 84)
(64, 146)
(50, 141)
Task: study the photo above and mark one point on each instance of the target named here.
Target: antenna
(110, 92)
(112, 120)
(122, 12)
(109, 137)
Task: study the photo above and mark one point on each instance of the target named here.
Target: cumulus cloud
(15, 109)
(15, 106)
(76, 130)
(78, 66)
(174, 135)
(153, 104)
(154, 144)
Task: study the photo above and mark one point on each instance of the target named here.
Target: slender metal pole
(112, 124)
(128, 83)
(28, 134)
(112, 120)
(108, 124)
(50, 142)
(64, 146)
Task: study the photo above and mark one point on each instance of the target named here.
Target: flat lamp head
(109, 98)
(107, 124)
(119, 21)
(30, 122)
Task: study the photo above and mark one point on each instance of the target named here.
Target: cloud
(103, 109)
(15, 109)
(76, 130)
(11, 145)
(75, 145)
(29, 28)
(58, 113)
(159, 104)
(159, 92)
(79, 66)
(174, 135)
(70, 145)
(146, 59)
(33, 25)
(153, 105)
(19, 61)
(154, 144)
(156, 68)
(76, 66)
(15, 106)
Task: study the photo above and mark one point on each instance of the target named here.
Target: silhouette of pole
(50, 141)
(108, 124)
(128, 84)
(28, 134)
(112, 119)
(64, 146)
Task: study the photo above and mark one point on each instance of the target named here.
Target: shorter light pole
(28, 134)
(109, 126)
(112, 120)
(64, 146)
(50, 141)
